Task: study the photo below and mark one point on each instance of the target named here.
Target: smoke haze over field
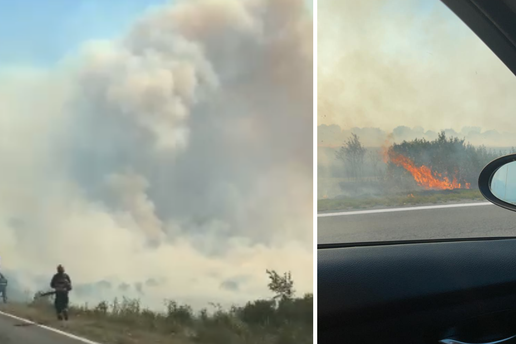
(174, 162)
(389, 63)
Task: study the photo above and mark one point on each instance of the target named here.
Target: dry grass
(414, 198)
(288, 321)
(90, 326)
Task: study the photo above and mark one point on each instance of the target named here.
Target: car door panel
(417, 291)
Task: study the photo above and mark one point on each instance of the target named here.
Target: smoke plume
(174, 162)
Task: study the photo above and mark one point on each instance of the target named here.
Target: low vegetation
(282, 319)
(400, 200)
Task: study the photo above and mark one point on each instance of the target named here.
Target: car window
(411, 106)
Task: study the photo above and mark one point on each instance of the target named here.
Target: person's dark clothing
(3, 287)
(61, 305)
(62, 283)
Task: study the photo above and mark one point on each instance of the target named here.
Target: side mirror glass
(497, 182)
(503, 183)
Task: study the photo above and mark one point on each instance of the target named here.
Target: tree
(352, 154)
(281, 286)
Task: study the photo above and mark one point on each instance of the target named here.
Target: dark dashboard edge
(408, 242)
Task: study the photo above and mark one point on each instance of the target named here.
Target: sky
(51, 29)
(135, 147)
(54, 28)
(413, 64)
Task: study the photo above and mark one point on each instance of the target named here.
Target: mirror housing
(486, 178)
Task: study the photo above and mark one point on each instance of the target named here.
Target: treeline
(448, 157)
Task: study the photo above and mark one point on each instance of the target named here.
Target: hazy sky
(162, 153)
(390, 63)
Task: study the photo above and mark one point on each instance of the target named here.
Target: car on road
(432, 290)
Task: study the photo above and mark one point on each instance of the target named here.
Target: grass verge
(399, 200)
(284, 319)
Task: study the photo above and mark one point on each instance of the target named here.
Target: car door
(419, 288)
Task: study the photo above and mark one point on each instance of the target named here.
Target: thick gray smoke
(175, 162)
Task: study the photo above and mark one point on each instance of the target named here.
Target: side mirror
(497, 182)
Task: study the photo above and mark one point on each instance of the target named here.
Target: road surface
(463, 221)
(13, 331)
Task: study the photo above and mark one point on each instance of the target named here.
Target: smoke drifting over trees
(333, 135)
(445, 163)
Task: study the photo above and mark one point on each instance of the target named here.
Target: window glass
(411, 106)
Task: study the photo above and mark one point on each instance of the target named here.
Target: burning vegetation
(424, 176)
(441, 165)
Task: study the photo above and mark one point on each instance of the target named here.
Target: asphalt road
(14, 331)
(451, 222)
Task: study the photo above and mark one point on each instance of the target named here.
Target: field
(399, 200)
(284, 319)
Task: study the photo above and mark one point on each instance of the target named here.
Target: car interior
(430, 291)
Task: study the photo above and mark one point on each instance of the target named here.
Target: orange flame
(423, 175)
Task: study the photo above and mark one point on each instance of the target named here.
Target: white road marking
(51, 329)
(391, 210)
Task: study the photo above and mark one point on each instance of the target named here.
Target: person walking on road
(62, 284)
(3, 287)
